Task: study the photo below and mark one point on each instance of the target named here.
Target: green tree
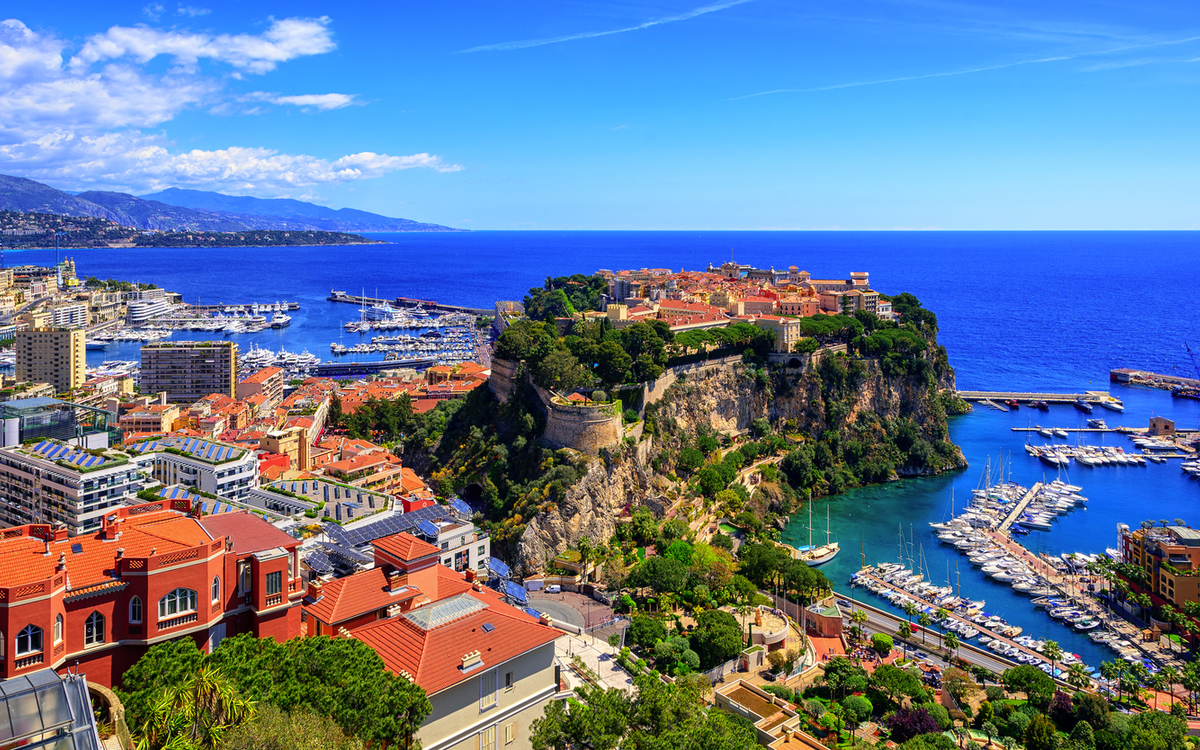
(196, 713)
(1032, 681)
(1040, 734)
(717, 637)
(896, 683)
(299, 729)
(842, 676)
(599, 722)
(645, 631)
(1082, 737)
(1052, 651)
(163, 665)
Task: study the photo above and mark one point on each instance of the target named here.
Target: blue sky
(760, 114)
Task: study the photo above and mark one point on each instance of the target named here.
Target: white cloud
(130, 160)
(192, 12)
(85, 121)
(153, 11)
(319, 101)
(284, 40)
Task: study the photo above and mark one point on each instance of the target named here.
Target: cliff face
(728, 398)
(589, 509)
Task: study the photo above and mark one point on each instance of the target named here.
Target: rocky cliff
(838, 400)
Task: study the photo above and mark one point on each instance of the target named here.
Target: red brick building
(152, 573)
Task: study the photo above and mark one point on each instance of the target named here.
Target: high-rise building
(52, 355)
(189, 370)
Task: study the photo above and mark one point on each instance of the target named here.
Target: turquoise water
(867, 521)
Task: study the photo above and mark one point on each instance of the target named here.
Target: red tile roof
(405, 547)
(346, 598)
(262, 375)
(434, 657)
(249, 533)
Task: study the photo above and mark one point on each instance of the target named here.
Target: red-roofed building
(153, 572)
(487, 667)
(268, 381)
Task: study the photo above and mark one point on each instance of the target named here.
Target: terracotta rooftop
(405, 547)
(430, 642)
(23, 558)
(249, 532)
(262, 375)
(366, 591)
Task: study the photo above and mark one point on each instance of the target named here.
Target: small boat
(1097, 424)
(1042, 406)
(1113, 404)
(1012, 403)
(1059, 432)
(1045, 432)
(1082, 405)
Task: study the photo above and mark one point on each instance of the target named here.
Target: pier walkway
(1021, 506)
(1093, 397)
(406, 302)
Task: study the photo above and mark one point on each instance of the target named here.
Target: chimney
(60, 532)
(397, 581)
(471, 575)
(314, 589)
(120, 552)
(471, 660)
(62, 562)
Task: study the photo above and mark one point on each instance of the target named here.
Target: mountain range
(176, 210)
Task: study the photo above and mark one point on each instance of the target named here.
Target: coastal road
(879, 621)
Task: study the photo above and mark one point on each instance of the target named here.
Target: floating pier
(1091, 397)
(1021, 506)
(267, 306)
(334, 369)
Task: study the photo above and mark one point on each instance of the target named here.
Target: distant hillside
(177, 210)
(295, 213)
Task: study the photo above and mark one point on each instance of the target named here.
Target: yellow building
(52, 355)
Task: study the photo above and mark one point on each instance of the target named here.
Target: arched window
(29, 640)
(216, 589)
(135, 609)
(93, 629)
(58, 628)
(178, 602)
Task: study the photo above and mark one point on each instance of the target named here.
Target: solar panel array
(52, 451)
(428, 529)
(458, 506)
(203, 449)
(498, 568)
(176, 493)
(516, 592)
(447, 610)
(347, 553)
(395, 524)
(534, 612)
(319, 562)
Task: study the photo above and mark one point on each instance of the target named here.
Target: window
(29, 640)
(274, 582)
(245, 576)
(487, 739)
(135, 610)
(480, 551)
(487, 690)
(510, 732)
(508, 680)
(216, 589)
(177, 602)
(93, 629)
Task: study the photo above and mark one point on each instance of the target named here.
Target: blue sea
(1017, 311)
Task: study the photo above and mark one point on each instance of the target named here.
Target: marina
(998, 398)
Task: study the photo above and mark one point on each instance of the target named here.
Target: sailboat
(815, 556)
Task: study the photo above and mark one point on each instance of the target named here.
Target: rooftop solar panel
(516, 592)
(498, 567)
(428, 529)
(459, 506)
(534, 612)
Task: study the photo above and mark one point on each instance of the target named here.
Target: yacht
(1112, 404)
(1082, 405)
(280, 320)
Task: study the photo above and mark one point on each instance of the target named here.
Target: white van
(554, 588)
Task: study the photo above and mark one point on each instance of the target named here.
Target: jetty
(999, 397)
(243, 306)
(406, 303)
(1127, 376)
(1020, 507)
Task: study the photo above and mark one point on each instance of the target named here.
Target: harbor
(1090, 397)
(404, 302)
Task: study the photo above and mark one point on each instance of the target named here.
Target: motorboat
(1082, 405)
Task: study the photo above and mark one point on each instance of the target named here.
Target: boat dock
(999, 397)
(1020, 507)
(406, 303)
(1122, 430)
(244, 306)
(1127, 376)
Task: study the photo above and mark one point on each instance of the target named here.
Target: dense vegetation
(565, 296)
(255, 693)
(248, 238)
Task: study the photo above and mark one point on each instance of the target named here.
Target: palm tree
(941, 615)
(587, 551)
(1053, 652)
(1077, 676)
(925, 621)
(951, 641)
(1157, 683)
(1171, 677)
(859, 617)
(196, 712)
(910, 609)
(743, 609)
(1110, 672)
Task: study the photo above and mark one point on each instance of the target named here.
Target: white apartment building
(216, 468)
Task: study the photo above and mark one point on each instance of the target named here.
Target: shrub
(882, 643)
(859, 707)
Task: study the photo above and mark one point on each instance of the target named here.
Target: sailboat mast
(827, 525)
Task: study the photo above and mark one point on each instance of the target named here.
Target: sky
(677, 114)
